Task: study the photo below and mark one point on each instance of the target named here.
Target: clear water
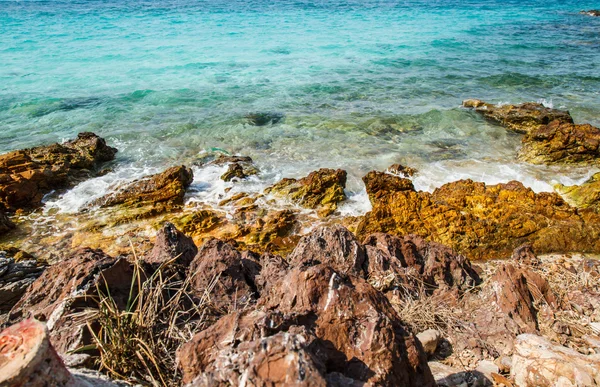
(166, 81)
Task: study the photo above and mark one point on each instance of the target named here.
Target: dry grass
(138, 343)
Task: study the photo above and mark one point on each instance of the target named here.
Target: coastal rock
(172, 245)
(162, 189)
(523, 118)
(321, 190)
(264, 228)
(15, 277)
(401, 170)
(27, 175)
(28, 359)
(281, 359)
(5, 223)
(586, 195)
(591, 12)
(228, 275)
(264, 118)
(72, 286)
(334, 246)
(239, 167)
(561, 142)
(538, 362)
(478, 220)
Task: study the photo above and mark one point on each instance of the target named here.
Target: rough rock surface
(66, 288)
(163, 191)
(321, 190)
(591, 12)
(227, 273)
(172, 245)
(522, 118)
(561, 142)
(430, 340)
(537, 362)
(15, 277)
(586, 195)
(478, 220)
(239, 167)
(27, 175)
(5, 223)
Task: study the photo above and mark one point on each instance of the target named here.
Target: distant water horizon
(360, 85)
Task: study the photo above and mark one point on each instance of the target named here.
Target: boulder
(70, 287)
(220, 270)
(172, 245)
(163, 191)
(321, 190)
(478, 220)
(586, 195)
(27, 175)
(561, 143)
(15, 277)
(522, 118)
(334, 246)
(538, 362)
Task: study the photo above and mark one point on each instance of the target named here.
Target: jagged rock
(334, 246)
(27, 175)
(15, 277)
(28, 359)
(198, 222)
(591, 12)
(429, 340)
(5, 223)
(226, 274)
(538, 362)
(414, 261)
(281, 359)
(264, 118)
(522, 118)
(561, 142)
(525, 254)
(321, 190)
(513, 297)
(163, 191)
(69, 287)
(478, 220)
(586, 195)
(401, 170)
(172, 245)
(273, 268)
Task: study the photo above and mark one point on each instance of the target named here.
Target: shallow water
(363, 84)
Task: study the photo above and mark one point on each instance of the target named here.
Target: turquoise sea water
(363, 84)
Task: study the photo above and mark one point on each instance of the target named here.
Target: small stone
(430, 339)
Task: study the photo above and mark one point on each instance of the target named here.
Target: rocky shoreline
(470, 285)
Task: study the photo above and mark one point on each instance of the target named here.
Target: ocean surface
(362, 84)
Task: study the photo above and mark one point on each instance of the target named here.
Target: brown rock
(561, 142)
(334, 246)
(15, 277)
(586, 195)
(321, 190)
(27, 175)
(71, 286)
(239, 170)
(164, 190)
(381, 184)
(28, 359)
(401, 170)
(525, 254)
(5, 224)
(226, 274)
(514, 298)
(478, 220)
(522, 118)
(172, 245)
(273, 268)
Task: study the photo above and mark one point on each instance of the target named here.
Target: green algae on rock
(27, 175)
(478, 220)
(586, 195)
(321, 190)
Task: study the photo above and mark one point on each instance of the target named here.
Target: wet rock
(264, 118)
(479, 220)
(321, 190)
(70, 287)
(15, 277)
(591, 12)
(220, 269)
(172, 245)
(401, 170)
(240, 167)
(27, 175)
(28, 359)
(561, 142)
(586, 195)
(413, 261)
(166, 188)
(522, 118)
(429, 340)
(538, 362)
(5, 224)
(265, 229)
(334, 246)
(198, 222)
(281, 359)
